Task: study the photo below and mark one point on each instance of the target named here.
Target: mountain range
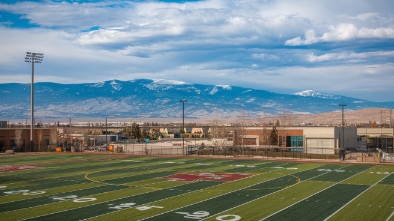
(146, 98)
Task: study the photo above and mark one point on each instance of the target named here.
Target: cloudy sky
(286, 46)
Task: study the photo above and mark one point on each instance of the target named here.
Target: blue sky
(286, 46)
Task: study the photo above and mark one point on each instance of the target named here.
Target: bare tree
(215, 129)
(220, 136)
(286, 118)
(19, 138)
(243, 121)
(218, 132)
(40, 136)
(84, 140)
(264, 134)
(53, 138)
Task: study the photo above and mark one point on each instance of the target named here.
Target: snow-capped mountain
(311, 93)
(143, 98)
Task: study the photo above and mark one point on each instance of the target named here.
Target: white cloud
(348, 56)
(365, 16)
(265, 56)
(247, 43)
(341, 32)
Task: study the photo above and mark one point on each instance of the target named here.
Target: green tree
(19, 138)
(145, 134)
(135, 131)
(127, 131)
(274, 136)
(155, 134)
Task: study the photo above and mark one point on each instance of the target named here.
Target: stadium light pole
(183, 124)
(32, 58)
(343, 131)
(106, 133)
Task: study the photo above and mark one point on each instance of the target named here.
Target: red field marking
(6, 168)
(220, 177)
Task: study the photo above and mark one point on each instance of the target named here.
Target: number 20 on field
(203, 214)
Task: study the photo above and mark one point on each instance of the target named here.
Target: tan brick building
(18, 139)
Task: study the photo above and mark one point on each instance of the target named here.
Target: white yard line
(60, 211)
(310, 196)
(212, 197)
(165, 199)
(392, 214)
(267, 194)
(354, 198)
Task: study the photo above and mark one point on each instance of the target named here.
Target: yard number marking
(74, 198)
(329, 170)
(195, 215)
(225, 217)
(64, 197)
(203, 214)
(122, 206)
(380, 172)
(83, 200)
(16, 191)
(24, 192)
(142, 208)
(129, 205)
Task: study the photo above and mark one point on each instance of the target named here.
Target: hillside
(145, 98)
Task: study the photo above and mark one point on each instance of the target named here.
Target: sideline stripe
(392, 214)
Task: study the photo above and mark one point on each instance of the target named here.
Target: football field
(71, 186)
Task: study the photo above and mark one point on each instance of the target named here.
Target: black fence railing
(272, 152)
(300, 153)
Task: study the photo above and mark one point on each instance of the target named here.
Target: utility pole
(32, 58)
(183, 125)
(343, 131)
(106, 132)
(381, 119)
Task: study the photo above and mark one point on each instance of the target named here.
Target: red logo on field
(6, 168)
(220, 177)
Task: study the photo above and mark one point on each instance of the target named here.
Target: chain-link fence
(299, 153)
(370, 155)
